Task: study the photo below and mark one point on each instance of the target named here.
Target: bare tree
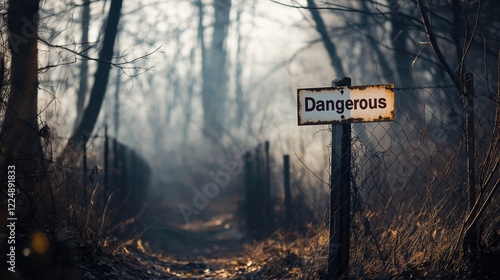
(214, 67)
(20, 136)
(84, 129)
(240, 102)
(84, 66)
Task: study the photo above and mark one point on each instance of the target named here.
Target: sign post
(340, 106)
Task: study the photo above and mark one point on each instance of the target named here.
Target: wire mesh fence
(397, 163)
(409, 179)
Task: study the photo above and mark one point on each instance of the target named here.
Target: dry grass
(291, 256)
(418, 244)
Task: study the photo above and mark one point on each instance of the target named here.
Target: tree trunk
(190, 93)
(19, 133)
(83, 131)
(84, 66)
(410, 106)
(402, 55)
(327, 42)
(240, 102)
(116, 107)
(214, 68)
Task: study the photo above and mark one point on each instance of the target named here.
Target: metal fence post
(338, 254)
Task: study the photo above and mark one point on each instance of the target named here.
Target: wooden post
(115, 164)
(106, 164)
(248, 197)
(124, 171)
(120, 184)
(267, 194)
(134, 173)
(257, 193)
(84, 171)
(338, 253)
(345, 198)
(470, 235)
(288, 196)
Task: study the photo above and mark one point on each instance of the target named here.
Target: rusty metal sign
(337, 105)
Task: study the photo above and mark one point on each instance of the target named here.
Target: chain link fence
(409, 196)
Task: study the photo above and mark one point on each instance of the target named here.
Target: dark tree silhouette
(84, 129)
(84, 66)
(20, 139)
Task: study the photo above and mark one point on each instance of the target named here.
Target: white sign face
(336, 105)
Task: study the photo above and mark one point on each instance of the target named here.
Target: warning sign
(335, 105)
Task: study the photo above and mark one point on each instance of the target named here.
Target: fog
(195, 83)
(166, 138)
(160, 111)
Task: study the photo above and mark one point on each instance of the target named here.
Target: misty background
(197, 83)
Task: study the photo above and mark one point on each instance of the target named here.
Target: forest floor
(213, 245)
(215, 249)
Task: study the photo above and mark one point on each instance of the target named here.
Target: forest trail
(214, 249)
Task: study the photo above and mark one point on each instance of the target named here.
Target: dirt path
(212, 249)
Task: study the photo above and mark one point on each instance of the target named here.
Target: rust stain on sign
(337, 105)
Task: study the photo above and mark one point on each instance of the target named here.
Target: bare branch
(119, 65)
(434, 44)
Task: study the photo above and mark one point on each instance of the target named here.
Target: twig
(311, 170)
(115, 64)
(90, 206)
(103, 218)
(314, 206)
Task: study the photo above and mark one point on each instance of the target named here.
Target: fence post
(115, 164)
(106, 163)
(257, 194)
(84, 171)
(135, 173)
(345, 198)
(338, 253)
(124, 171)
(288, 206)
(119, 170)
(267, 194)
(470, 235)
(248, 196)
